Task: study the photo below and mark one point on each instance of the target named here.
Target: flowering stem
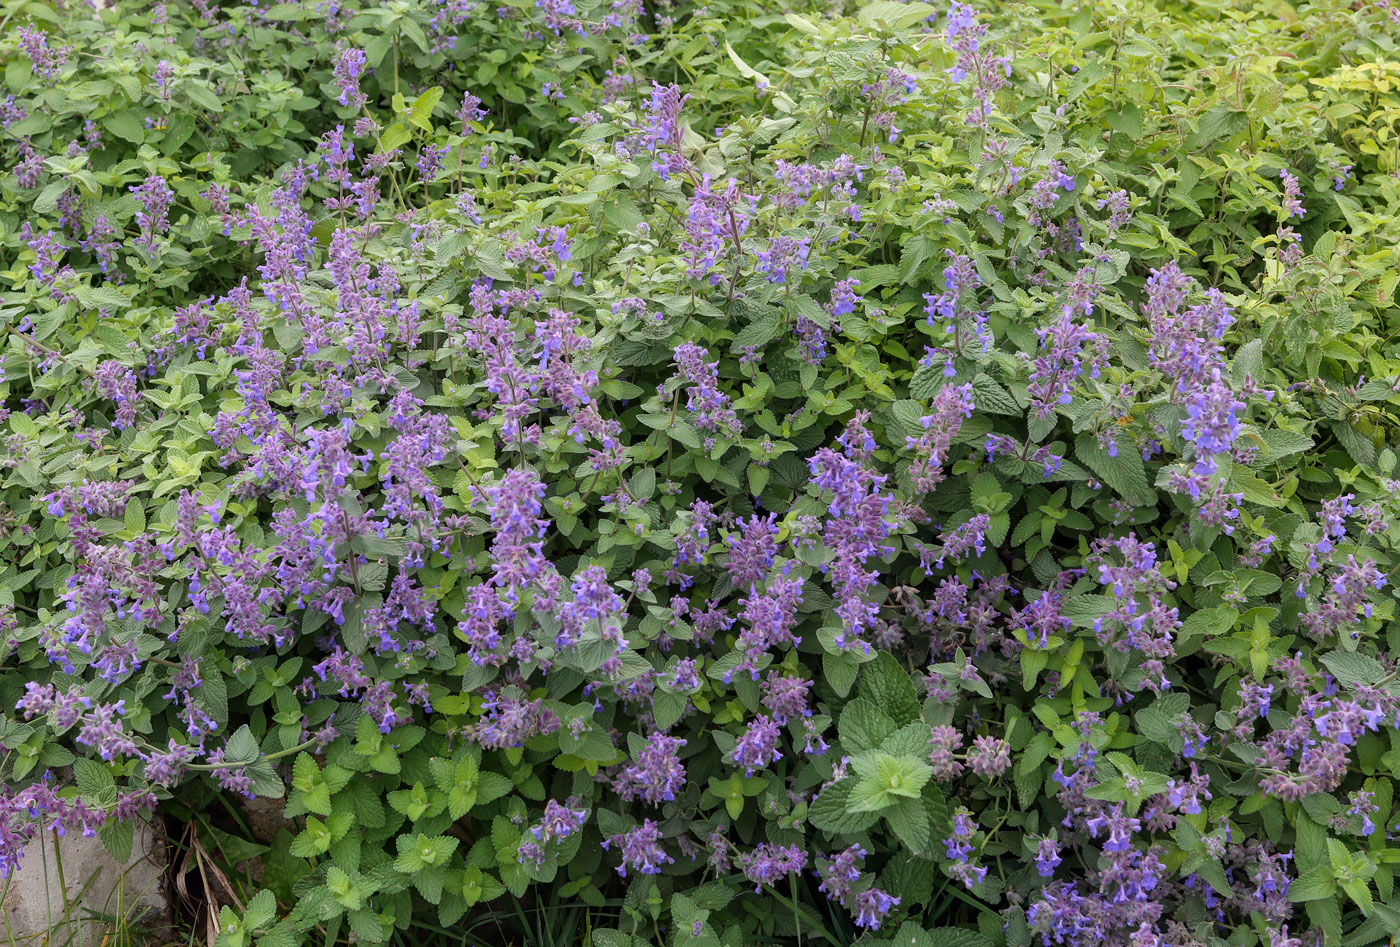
(670, 443)
(475, 483)
(234, 764)
(36, 343)
(354, 565)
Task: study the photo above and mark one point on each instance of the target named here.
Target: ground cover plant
(710, 474)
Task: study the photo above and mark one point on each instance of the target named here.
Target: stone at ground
(99, 890)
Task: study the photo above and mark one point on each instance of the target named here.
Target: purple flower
(989, 72)
(943, 744)
(950, 407)
(155, 198)
(1257, 697)
(963, 541)
(758, 747)
(768, 863)
(1047, 857)
(838, 872)
(511, 719)
(989, 756)
(469, 112)
(658, 773)
(662, 133)
(786, 697)
(707, 404)
(1292, 194)
(640, 849)
(715, 224)
(517, 552)
(233, 777)
(559, 822)
(844, 298)
(871, 906)
(1069, 350)
(1212, 421)
(958, 848)
(47, 60)
(752, 547)
(117, 383)
(783, 253)
(166, 769)
(685, 677)
(430, 161)
(102, 730)
(349, 64)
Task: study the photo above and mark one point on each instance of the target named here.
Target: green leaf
(203, 96)
(745, 70)
(344, 889)
(887, 685)
(887, 779)
(261, 909)
(1279, 443)
(892, 14)
(1360, 894)
(102, 297)
(909, 740)
(395, 136)
(47, 201)
(420, 851)
(129, 125)
(1248, 361)
(1355, 443)
(1159, 720)
(92, 777)
(840, 671)
(1313, 885)
(1124, 473)
(910, 824)
(831, 811)
(759, 333)
(118, 837)
(1208, 622)
(1352, 668)
(135, 517)
(992, 398)
(242, 746)
(667, 709)
(490, 787)
(420, 113)
(1082, 610)
(912, 935)
(863, 726)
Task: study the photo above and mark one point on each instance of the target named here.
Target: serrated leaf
(1279, 443)
(1124, 473)
(1352, 668)
(863, 726)
(135, 518)
(757, 334)
(886, 684)
(991, 397)
(910, 824)
(1313, 885)
(831, 811)
(118, 837)
(1159, 720)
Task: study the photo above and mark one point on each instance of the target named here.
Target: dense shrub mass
(746, 474)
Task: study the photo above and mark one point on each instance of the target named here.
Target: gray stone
(37, 910)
